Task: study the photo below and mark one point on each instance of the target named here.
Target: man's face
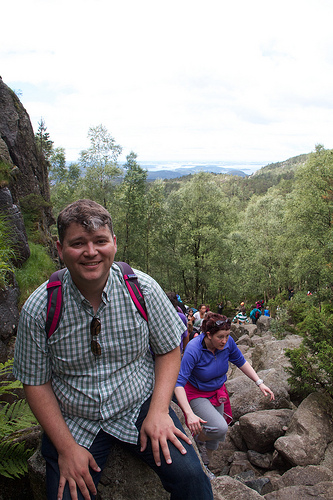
(88, 255)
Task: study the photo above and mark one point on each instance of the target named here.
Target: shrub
(312, 363)
(13, 417)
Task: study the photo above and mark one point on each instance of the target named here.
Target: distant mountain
(180, 172)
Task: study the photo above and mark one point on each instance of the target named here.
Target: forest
(210, 237)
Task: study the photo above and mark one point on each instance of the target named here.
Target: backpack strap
(54, 302)
(132, 283)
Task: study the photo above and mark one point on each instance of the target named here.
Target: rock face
(18, 148)
(23, 180)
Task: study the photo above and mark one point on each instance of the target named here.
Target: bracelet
(259, 381)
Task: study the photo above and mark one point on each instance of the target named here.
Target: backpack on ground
(55, 300)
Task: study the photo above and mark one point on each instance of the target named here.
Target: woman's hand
(266, 391)
(194, 423)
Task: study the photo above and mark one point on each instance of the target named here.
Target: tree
(43, 141)
(132, 204)
(64, 180)
(195, 252)
(99, 162)
(309, 221)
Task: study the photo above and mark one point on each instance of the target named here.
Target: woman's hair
(87, 213)
(173, 299)
(215, 322)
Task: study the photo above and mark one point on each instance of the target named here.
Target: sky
(184, 80)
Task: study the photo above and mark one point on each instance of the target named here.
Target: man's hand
(160, 429)
(74, 466)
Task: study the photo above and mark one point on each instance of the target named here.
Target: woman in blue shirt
(200, 389)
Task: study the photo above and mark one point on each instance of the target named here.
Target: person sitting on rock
(94, 382)
(241, 317)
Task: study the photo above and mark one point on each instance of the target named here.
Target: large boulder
(261, 429)
(309, 432)
(246, 397)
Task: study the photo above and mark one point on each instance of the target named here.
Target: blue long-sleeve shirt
(203, 369)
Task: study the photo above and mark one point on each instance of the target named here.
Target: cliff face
(23, 182)
(18, 150)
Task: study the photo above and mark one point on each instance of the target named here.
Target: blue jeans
(183, 478)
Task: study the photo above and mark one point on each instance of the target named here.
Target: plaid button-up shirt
(104, 392)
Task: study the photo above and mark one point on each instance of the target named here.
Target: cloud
(171, 80)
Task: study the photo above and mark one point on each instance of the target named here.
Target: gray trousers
(216, 426)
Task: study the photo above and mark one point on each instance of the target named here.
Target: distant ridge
(182, 171)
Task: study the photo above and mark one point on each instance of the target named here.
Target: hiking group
(97, 371)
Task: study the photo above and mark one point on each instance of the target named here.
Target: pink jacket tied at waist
(215, 397)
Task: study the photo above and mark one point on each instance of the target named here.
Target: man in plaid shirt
(94, 382)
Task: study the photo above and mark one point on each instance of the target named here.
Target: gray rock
(227, 488)
(261, 429)
(306, 476)
(262, 460)
(246, 397)
(322, 490)
(309, 432)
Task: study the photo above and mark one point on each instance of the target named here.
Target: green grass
(6, 251)
(34, 271)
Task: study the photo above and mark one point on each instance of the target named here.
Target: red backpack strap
(132, 283)
(54, 302)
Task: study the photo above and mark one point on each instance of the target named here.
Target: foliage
(32, 206)
(13, 418)
(6, 251)
(312, 363)
(5, 169)
(131, 210)
(43, 142)
(34, 271)
(99, 162)
(208, 235)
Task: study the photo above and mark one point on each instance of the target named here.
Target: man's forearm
(166, 372)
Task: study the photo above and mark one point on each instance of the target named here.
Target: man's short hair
(89, 214)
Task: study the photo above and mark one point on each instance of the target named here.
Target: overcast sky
(241, 80)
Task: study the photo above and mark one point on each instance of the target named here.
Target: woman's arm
(249, 372)
(193, 422)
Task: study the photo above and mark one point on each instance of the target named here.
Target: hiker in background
(220, 307)
(200, 315)
(266, 311)
(241, 317)
(174, 301)
(260, 304)
(290, 293)
(255, 314)
(94, 382)
(190, 316)
(200, 389)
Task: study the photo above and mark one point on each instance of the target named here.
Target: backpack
(55, 302)
(257, 314)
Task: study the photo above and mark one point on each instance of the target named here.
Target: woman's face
(219, 339)
(202, 310)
